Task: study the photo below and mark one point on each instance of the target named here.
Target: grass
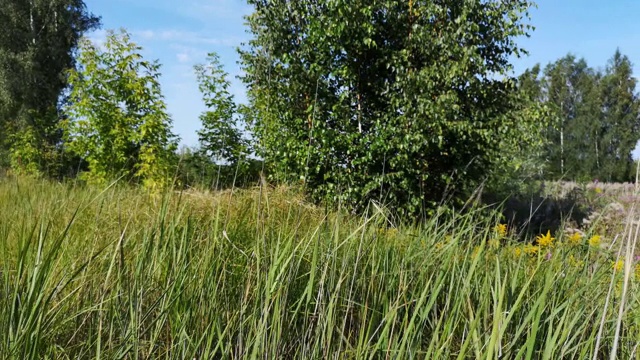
(258, 274)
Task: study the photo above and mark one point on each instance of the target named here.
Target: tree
(395, 101)
(571, 90)
(595, 119)
(220, 136)
(37, 47)
(118, 120)
(525, 143)
(620, 120)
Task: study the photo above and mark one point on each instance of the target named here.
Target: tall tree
(117, 116)
(528, 144)
(570, 89)
(37, 46)
(595, 118)
(220, 136)
(620, 117)
(399, 101)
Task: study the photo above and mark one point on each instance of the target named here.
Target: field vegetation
(260, 273)
(390, 189)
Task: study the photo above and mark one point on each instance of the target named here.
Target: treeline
(405, 103)
(596, 117)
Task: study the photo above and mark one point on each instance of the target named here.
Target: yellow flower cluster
(618, 265)
(545, 240)
(595, 240)
(389, 232)
(517, 251)
(501, 230)
(530, 249)
(575, 238)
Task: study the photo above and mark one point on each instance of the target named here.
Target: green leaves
(118, 121)
(620, 130)
(37, 45)
(594, 118)
(387, 100)
(220, 136)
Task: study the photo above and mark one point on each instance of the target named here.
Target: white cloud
(98, 37)
(183, 57)
(186, 37)
(145, 34)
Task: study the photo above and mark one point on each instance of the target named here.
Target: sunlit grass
(118, 273)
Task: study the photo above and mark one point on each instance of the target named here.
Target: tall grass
(120, 274)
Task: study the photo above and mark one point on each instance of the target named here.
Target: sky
(180, 33)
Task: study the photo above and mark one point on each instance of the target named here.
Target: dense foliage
(37, 46)
(400, 102)
(119, 121)
(411, 104)
(596, 118)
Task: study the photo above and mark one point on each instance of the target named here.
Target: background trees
(571, 89)
(119, 121)
(620, 120)
(595, 117)
(408, 103)
(394, 101)
(37, 47)
(222, 158)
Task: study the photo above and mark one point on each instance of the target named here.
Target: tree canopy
(595, 118)
(407, 103)
(400, 102)
(37, 47)
(118, 120)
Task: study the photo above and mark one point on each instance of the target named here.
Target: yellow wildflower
(598, 190)
(618, 265)
(637, 272)
(501, 229)
(517, 251)
(545, 240)
(390, 232)
(595, 240)
(575, 238)
(531, 249)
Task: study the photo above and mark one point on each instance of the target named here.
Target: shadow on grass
(539, 211)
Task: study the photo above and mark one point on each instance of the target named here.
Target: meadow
(119, 273)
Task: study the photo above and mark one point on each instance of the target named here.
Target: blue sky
(180, 33)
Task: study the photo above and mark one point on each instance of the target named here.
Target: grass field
(259, 274)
